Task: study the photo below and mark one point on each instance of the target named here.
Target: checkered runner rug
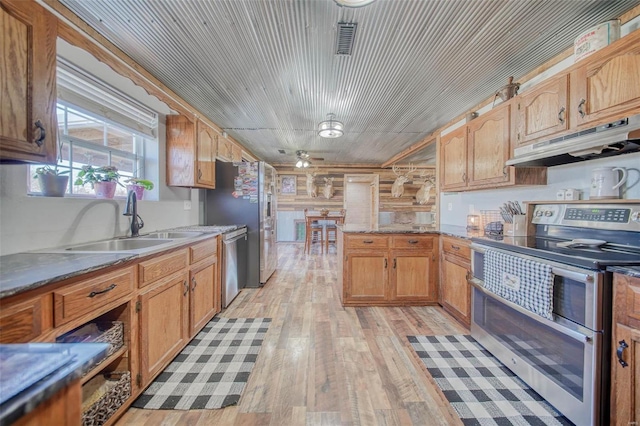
(212, 370)
(479, 388)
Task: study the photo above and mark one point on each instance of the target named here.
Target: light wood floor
(322, 364)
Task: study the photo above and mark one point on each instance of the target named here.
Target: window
(98, 126)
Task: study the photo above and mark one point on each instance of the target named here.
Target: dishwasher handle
(233, 240)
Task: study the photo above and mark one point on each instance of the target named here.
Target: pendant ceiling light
(353, 3)
(330, 128)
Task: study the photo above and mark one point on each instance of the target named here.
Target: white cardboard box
(595, 38)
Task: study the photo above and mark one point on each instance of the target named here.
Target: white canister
(605, 182)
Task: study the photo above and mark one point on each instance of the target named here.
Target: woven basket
(103, 395)
(97, 332)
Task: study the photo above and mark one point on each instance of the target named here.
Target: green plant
(91, 175)
(148, 185)
(48, 170)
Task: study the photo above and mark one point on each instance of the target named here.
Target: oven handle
(586, 336)
(572, 275)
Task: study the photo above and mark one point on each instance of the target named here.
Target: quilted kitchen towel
(522, 281)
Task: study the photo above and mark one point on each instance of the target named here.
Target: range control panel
(624, 217)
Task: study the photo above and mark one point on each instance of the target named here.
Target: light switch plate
(187, 204)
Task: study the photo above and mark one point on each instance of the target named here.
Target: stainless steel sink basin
(129, 244)
(175, 235)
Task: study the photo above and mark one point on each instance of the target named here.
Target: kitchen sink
(128, 244)
(169, 234)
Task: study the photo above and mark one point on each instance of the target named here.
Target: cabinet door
(626, 380)
(28, 125)
(607, 86)
(488, 142)
(542, 112)
(453, 159)
(202, 305)
(413, 276)
(224, 150)
(456, 292)
(366, 277)
(26, 321)
(206, 156)
(236, 154)
(164, 324)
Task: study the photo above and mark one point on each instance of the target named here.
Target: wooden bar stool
(332, 230)
(313, 232)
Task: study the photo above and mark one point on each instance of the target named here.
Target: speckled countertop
(81, 358)
(632, 271)
(395, 228)
(21, 272)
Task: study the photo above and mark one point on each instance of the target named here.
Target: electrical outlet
(187, 204)
(450, 207)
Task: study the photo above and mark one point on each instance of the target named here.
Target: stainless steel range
(542, 304)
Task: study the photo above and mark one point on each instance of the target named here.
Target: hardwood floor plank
(323, 364)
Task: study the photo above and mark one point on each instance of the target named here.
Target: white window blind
(80, 89)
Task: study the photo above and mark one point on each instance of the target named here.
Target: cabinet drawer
(412, 241)
(202, 250)
(367, 241)
(456, 246)
(23, 322)
(161, 266)
(87, 296)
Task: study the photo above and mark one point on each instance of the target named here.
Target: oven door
(558, 363)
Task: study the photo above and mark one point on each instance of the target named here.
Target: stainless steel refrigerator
(242, 198)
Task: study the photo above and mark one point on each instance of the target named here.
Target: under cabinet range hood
(618, 137)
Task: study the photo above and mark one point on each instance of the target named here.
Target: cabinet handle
(385, 263)
(456, 248)
(464, 177)
(504, 171)
(413, 241)
(199, 173)
(367, 241)
(561, 115)
(106, 290)
(43, 134)
(621, 348)
(195, 283)
(186, 288)
(394, 263)
(581, 107)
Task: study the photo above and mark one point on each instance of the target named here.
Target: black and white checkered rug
(479, 387)
(212, 370)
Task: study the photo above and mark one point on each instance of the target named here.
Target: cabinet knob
(43, 134)
(561, 115)
(581, 107)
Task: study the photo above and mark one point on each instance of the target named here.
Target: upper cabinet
(236, 154)
(28, 126)
(191, 148)
(607, 86)
(542, 111)
(474, 156)
(225, 150)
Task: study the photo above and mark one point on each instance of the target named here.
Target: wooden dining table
(311, 217)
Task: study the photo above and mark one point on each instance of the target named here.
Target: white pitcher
(605, 183)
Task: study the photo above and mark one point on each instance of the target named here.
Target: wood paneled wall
(301, 201)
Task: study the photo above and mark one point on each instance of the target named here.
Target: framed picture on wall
(288, 185)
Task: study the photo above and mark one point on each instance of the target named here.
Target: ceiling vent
(346, 35)
(282, 151)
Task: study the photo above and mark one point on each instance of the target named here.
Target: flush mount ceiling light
(303, 159)
(330, 128)
(353, 3)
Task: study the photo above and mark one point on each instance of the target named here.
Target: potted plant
(102, 179)
(52, 183)
(138, 186)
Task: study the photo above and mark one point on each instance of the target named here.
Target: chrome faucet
(131, 209)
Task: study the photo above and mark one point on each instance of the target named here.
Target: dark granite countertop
(21, 272)
(81, 358)
(632, 271)
(396, 228)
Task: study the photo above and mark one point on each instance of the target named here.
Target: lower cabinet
(202, 302)
(625, 363)
(164, 324)
(455, 269)
(397, 270)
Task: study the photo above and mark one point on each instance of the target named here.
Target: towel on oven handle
(522, 281)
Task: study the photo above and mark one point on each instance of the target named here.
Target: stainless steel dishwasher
(234, 264)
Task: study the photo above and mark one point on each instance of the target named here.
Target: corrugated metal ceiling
(266, 71)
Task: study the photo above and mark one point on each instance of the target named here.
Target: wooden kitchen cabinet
(606, 86)
(625, 380)
(236, 154)
(455, 270)
(191, 151)
(25, 321)
(388, 270)
(542, 111)
(164, 324)
(28, 124)
(453, 160)
(225, 150)
(204, 301)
